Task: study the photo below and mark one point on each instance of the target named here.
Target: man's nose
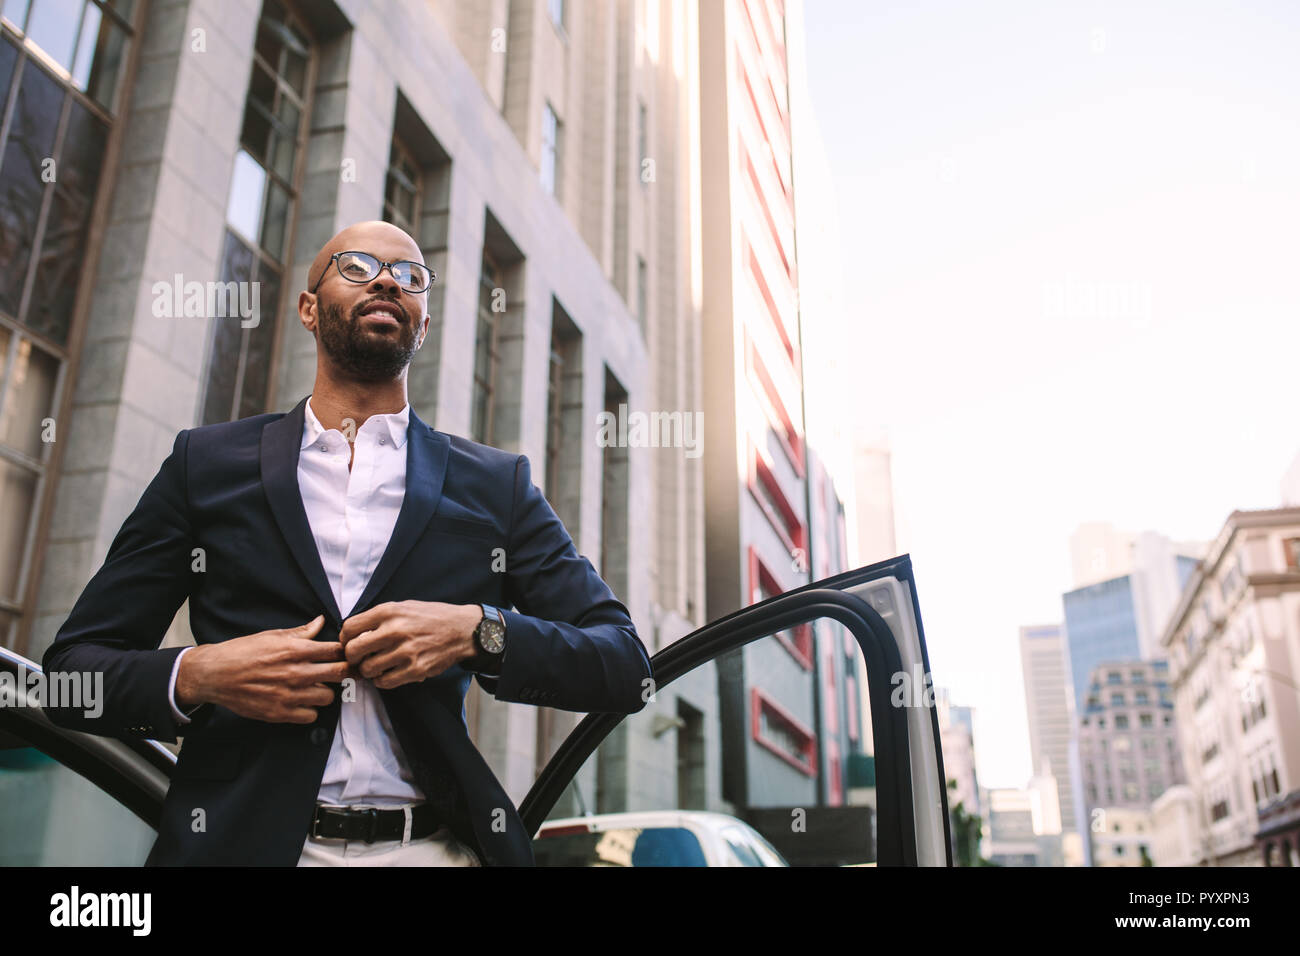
(384, 282)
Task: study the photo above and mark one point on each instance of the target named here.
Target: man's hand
(279, 676)
(401, 642)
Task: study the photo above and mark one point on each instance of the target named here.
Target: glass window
(550, 167)
(57, 81)
(758, 745)
(264, 189)
(52, 816)
(486, 356)
(30, 142)
(247, 185)
(30, 398)
(238, 367)
(86, 45)
(62, 258)
(17, 501)
(402, 190)
(52, 26)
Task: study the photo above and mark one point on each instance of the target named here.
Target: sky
(1069, 234)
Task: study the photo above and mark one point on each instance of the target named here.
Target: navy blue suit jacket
(232, 490)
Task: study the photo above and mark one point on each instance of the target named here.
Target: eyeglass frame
(334, 261)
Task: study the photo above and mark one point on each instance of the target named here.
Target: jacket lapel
(426, 469)
(281, 444)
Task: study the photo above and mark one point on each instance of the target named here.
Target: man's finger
(317, 695)
(300, 715)
(321, 651)
(377, 664)
(371, 642)
(366, 621)
(333, 673)
(308, 630)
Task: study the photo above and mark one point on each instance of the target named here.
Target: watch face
(491, 636)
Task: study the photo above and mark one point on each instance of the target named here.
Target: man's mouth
(383, 314)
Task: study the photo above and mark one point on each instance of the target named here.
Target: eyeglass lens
(362, 267)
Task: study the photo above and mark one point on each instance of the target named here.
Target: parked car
(106, 794)
(653, 838)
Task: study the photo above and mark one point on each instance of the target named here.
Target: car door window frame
(896, 825)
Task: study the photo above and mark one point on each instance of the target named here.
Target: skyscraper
(1043, 665)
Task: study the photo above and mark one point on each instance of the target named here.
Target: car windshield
(750, 848)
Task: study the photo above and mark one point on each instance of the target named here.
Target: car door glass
(52, 816)
(774, 734)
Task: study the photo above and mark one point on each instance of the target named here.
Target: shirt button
(381, 441)
(323, 447)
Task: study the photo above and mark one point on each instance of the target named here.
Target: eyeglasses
(361, 267)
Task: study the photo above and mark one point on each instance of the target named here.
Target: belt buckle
(372, 827)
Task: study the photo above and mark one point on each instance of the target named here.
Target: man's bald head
(365, 331)
(381, 239)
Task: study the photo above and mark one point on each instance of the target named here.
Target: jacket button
(318, 735)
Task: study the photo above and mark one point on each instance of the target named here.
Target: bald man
(349, 570)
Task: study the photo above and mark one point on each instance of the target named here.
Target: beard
(360, 353)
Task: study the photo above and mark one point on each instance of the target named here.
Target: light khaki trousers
(440, 848)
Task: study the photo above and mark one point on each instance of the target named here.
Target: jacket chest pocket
(464, 527)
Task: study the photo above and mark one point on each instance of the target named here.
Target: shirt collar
(394, 424)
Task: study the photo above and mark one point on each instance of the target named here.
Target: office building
(541, 152)
(957, 739)
(1043, 667)
(1234, 653)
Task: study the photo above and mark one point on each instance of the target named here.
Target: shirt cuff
(180, 718)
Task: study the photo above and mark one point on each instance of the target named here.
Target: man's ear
(307, 310)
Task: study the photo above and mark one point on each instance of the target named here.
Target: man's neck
(338, 406)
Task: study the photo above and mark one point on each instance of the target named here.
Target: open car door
(809, 716)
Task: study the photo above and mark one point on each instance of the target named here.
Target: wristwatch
(490, 641)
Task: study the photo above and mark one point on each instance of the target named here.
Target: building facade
(775, 517)
(1122, 836)
(1043, 667)
(541, 154)
(1128, 756)
(957, 739)
(1127, 737)
(606, 194)
(1234, 651)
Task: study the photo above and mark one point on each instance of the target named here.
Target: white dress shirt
(352, 515)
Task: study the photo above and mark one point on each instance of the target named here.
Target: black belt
(371, 824)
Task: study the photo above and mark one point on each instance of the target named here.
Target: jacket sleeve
(109, 644)
(570, 643)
